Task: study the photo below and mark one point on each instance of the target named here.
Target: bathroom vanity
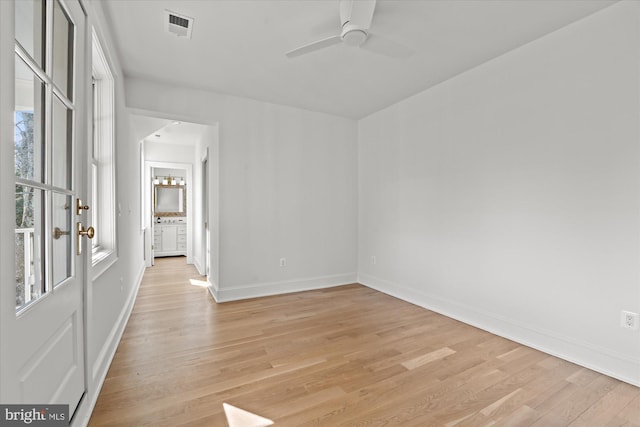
(169, 220)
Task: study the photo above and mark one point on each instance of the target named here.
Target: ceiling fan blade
(362, 13)
(386, 47)
(311, 47)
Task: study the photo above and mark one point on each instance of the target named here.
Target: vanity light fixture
(169, 180)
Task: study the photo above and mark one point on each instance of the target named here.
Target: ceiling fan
(355, 19)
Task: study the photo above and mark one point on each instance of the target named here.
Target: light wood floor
(347, 356)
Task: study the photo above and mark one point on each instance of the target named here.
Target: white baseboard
(213, 289)
(105, 357)
(599, 359)
(276, 288)
(196, 264)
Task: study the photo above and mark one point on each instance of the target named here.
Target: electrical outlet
(629, 320)
(373, 259)
(283, 262)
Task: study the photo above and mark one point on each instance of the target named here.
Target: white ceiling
(157, 130)
(238, 46)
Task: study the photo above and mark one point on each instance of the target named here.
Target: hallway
(334, 357)
(161, 348)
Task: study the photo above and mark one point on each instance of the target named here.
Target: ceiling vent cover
(179, 25)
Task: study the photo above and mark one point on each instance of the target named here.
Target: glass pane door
(42, 359)
(43, 140)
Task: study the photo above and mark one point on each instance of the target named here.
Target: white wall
(508, 196)
(287, 186)
(207, 146)
(170, 153)
(287, 190)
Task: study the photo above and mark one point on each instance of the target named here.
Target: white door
(42, 353)
(157, 231)
(205, 214)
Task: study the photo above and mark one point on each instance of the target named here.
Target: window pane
(28, 123)
(62, 238)
(29, 19)
(94, 200)
(62, 50)
(61, 150)
(28, 245)
(94, 122)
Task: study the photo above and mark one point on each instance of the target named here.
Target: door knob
(89, 232)
(57, 233)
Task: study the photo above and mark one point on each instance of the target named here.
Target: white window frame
(102, 155)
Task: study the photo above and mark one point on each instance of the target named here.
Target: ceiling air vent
(177, 24)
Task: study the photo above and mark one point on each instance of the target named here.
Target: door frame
(205, 217)
(147, 192)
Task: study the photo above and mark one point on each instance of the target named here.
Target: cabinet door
(169, 238)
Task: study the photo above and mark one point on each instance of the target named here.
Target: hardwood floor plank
(578, 402)
(428, 358)
(630, 414)
(344, 356)
(608, 407)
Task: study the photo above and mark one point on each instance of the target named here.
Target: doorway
(173, 235)
(168, 143)
(169, 212)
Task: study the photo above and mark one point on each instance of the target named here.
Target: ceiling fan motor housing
(352, 35)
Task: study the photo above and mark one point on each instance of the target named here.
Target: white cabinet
(169, 239)
(182, 238)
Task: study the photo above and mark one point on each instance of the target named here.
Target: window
(102, 196)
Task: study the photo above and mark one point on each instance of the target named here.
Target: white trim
(276, 288)
(590, 356)
(205, 217)
(213, 290)
(102, 264)
(105, 357)
(197, 265)
(106, 227)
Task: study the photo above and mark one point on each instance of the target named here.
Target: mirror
(169, 200)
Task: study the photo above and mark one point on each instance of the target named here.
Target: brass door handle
(89, 232)
(80, 207)
(57, 233)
